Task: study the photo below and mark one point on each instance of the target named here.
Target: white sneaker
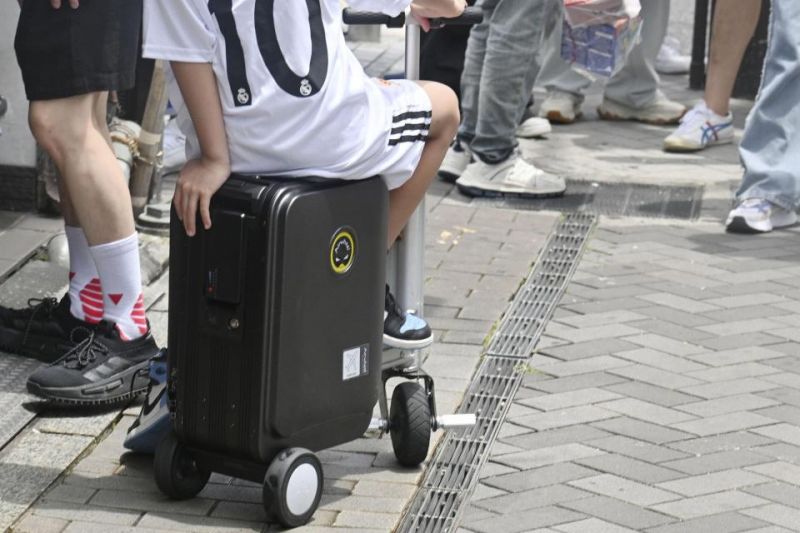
(512, 177)
(700, 128)
(455, 161)
(756, 215)
(561, 107)
(534, 127)
(661, 111)
(669, 59)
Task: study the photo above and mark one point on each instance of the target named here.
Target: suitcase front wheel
(177, 474)
(410, 423)
(293, 486)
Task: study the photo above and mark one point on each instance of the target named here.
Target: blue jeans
(499, 71)
(770, 147)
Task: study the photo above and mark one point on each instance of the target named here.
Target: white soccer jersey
(295, 99)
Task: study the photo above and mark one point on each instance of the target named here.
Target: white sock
(118, 265)
(85, 294)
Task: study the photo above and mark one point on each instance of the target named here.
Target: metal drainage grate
(618, 199)
(453, 472)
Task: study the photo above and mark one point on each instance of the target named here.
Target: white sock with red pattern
(118, 265)
(85, 295)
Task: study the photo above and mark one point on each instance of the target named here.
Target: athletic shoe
(455, 161)
(561, 107)
(534, 127)
(43, 330)
(404, 330)
(661, 111)
(153, 421)
(669, 59)
(756, 215)
(512, 177)
(101, 369)
(700, 127)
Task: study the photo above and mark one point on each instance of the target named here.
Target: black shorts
(67, 52)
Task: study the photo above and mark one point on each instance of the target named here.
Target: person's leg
(555, 74)
(770, 147)
(473, 69)
(632, 93)
(734, 24)
(444, 123)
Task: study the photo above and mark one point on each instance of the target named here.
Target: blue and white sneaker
(153, 422)
(756, 215)
(404, 330)
(700, 128)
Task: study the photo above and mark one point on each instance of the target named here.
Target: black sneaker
(404, 330)
(101, 369)
(42, 331)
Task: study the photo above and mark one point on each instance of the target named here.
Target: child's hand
(198, 182)
(424, 10)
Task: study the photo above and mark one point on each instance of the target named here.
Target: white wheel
(293, 487)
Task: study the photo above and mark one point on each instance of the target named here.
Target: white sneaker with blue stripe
(700, 128)
(153, 421)
(756, 215)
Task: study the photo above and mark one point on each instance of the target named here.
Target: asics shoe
(700, 127)
(153, 421)
(404, 330)
(455, 161)
(756, 215)
(43, 330)
(100, 369)
(561, 107)
(512, 177)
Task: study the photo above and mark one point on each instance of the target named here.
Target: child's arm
(201, 178)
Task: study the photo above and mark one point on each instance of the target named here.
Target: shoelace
(36, 306)
(392, 304)
(85, 351)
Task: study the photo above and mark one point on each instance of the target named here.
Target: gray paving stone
(591, 525)
(720, 502)
(630, 468)
(715, 462)
(655, 376)
(564, 417)
(531, 499)
(591, 334)
(200, 524)
(570, 399)
(616, 304)
(646, 411)
(378, 521)
(580, 366)
(640, 430)
(743, 402)
(71, 511)
(665, 344)
(743, 313)
(618, 512)
(582, 381)
(731, 372)
(151, 501)
(625, 490)
(780, 451)
(788, 433)
(673, 331)
(548, 456)
(777, 514)
(664, 361)
(719, 443)
(555, 437)
(733, 387)
(784, 395)
(737, 355)
(730, 522)
(40, 524)
(726, 423)
(581, 350)
(675, 316)
(636, 449)
(714, 482)
(601, 319)
(738, 341)
(524, 521)
(538, 477)
(678, 302)
(652, 393)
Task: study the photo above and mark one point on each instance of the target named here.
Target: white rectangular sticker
(354, 362)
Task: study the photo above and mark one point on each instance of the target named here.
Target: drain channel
(453, 472)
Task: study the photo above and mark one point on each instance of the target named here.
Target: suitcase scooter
(275, 339)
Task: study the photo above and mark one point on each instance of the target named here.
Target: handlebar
(470, 16)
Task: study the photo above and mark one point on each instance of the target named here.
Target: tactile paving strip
(453, 473)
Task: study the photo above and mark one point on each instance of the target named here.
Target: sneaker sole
(401, 344)
(470, 190)
(558, 118)
(607, 115)
(116, 389)
(740, 225)
(681, 148)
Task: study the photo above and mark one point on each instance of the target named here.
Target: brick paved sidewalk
(665, 396)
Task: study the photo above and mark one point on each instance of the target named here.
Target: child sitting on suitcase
(270, 87)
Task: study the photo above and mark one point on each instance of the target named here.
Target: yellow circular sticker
(343, 251)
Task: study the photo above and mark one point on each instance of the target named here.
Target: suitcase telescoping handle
(470, 16)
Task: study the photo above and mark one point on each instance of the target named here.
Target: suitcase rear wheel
(293, 486)
(410, 423)
(176, 472)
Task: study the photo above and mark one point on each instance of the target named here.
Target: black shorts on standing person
(67, 52)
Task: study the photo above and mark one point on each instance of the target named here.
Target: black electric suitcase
(275, 335)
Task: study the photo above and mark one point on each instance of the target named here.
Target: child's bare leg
(444, 123)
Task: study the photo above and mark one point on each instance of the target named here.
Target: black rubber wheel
(177, 475)
(293, 487)
(410, 423)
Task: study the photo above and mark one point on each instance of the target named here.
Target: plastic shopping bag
(599, 34)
